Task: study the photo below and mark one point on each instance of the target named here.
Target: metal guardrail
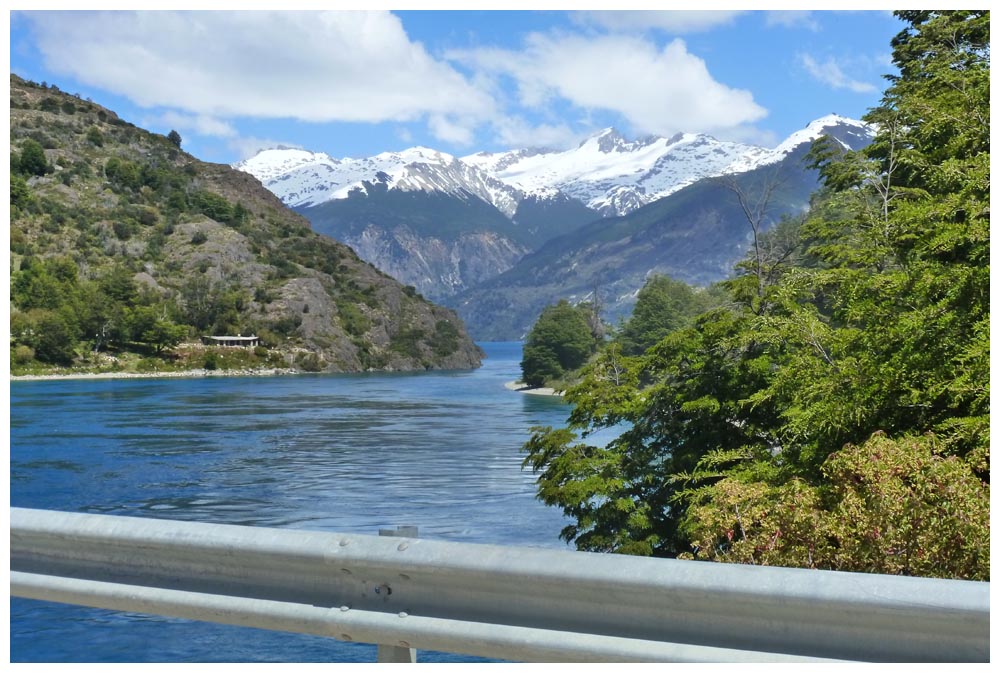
(505, 602)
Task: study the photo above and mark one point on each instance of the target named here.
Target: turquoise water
(351, 453)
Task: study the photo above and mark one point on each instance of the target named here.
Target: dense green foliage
(560, 341)
(835, 412)
(32, 159)
(662, 306)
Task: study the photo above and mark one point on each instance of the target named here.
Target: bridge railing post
(394, 654)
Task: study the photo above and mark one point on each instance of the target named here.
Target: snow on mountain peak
(270, 163)
(814, 130)
(606, 171)
(811, 132)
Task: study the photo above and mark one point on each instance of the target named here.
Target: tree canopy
(560, 340)
(838, 415)
(662, 306)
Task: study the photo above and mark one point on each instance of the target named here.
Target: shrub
(309, 362)
(32, 160)
(23, 354)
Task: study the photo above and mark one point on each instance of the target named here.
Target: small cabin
(238, 341)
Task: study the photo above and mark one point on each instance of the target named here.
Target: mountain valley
(497, 236)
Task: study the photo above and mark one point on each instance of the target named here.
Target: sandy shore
(190, 373)
(521, 388)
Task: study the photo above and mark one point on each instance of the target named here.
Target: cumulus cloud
(829, 72)
(310, 66)
(658, 90)
(671, 21)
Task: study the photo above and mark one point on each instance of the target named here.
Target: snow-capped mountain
(850, 133)
(301, 178)
(613, 175)
(530, 221)
(608, 173)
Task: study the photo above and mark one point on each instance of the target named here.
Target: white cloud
(674, 21)
(310, 66)
(404, 134)
(658, 90)
(248, 146)
(199, 124)
(517, 132)
(792, 18)
(451, 130)
(829, 72)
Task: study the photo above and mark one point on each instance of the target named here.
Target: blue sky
(356, 83)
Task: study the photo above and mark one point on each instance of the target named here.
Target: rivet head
(403, 545)
(403, 614)
(344, 608)
(344, 543)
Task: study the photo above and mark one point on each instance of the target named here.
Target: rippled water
(438, 450)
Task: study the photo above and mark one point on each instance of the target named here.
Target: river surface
(348, 453)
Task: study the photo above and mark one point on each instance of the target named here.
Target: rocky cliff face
(436, 267)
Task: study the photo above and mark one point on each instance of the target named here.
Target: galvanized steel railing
(505, 602)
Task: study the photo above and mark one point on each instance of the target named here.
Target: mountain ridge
(695, 234)
(609, 173)
(447, 225)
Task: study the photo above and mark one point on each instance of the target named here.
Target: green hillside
(123, 246)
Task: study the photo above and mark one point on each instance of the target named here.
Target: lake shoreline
(189, 373)
(522, 388)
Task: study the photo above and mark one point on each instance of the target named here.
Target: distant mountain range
(499, 235)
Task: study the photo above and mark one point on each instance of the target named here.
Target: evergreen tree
(837, 415)
(560, 340)
(662, 306)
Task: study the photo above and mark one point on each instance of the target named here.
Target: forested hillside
(834, 411)
(122, 243)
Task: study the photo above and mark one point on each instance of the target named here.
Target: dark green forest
(831, 409)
